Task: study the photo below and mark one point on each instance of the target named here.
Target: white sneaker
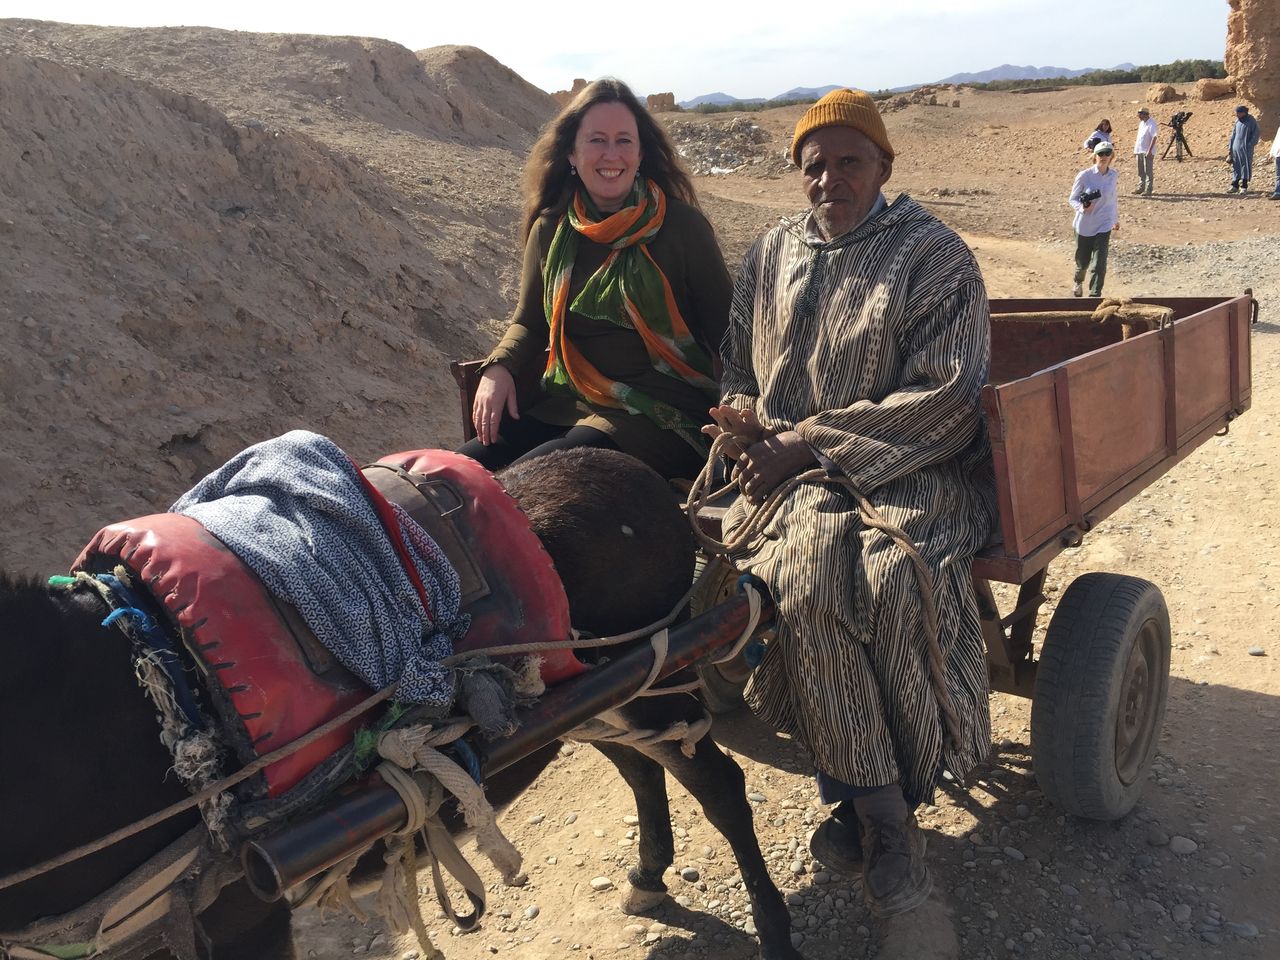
(1077, 290)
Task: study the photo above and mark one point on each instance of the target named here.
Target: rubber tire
(1080, 683)
(722, 683)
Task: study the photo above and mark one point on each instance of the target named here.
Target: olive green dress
(686, 251)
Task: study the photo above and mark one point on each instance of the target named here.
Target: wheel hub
(1135, 720)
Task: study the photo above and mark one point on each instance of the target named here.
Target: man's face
(843, 173)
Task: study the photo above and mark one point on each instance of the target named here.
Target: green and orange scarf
(629, 290)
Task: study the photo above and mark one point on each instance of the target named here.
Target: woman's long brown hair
(547, 183)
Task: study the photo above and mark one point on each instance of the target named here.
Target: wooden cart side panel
(1027, 454)
(1204, 370)
(1022, 348)
(1123, 415)
(1119, 415)
(1241, 350)
(467, 376)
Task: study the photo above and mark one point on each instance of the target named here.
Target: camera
(1089, 196)
(1179, 118)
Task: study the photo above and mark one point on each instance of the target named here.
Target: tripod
(1177, 139)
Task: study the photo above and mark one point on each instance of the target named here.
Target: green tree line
(747, 106)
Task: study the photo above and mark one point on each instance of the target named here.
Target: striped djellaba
(873, 347)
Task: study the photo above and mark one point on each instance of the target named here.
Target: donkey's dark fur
(80, 754)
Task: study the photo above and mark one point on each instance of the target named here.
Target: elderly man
(859, 342)
(1244, 137)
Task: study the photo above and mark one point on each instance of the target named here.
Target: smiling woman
(623, 300)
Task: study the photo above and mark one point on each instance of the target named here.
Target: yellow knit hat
(842, 108)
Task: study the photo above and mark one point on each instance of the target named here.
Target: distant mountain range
(1006, 71)
(795, 93)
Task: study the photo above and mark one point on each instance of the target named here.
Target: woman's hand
(742, 425)
(496, 392)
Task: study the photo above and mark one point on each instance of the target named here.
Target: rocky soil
(208, 238)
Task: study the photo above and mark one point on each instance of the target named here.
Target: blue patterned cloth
(293, 509)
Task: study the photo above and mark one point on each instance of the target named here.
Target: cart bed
(1081, 421)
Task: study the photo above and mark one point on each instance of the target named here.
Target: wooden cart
(1080, 421)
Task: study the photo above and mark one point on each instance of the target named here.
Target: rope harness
(759, 517)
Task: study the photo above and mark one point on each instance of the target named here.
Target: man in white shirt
(1274, 153)
(1093, 197)
(1144, 149)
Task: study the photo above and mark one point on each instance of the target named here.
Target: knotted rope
(602, 730)
(1134, 318)
(759, 517)
(422, 776)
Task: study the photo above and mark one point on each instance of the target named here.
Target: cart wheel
(1101, 687)
(722, 683)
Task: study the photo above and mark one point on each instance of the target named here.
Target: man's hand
(743, 425)
(769, 462)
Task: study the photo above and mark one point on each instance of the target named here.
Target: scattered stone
(1183, 845)
(690, 874)
(1241, 929)
(537, 818)
(601, 883)
(532, 912)
(756, 797)
(1181, 913)
(1257, 652)
(1157, 837)
(1013, 853)
(571, 818)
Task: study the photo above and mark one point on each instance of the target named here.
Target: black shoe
(895, 877)
(837, 845)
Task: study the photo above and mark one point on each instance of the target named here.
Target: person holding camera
(1144, 148)
(1103, 132)
(1094, 199)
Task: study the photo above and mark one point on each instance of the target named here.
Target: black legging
(526, 438)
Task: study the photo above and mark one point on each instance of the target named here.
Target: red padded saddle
(269, 678)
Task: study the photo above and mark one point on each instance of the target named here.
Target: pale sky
(745, 48)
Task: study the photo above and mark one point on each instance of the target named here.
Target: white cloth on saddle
(294, 510)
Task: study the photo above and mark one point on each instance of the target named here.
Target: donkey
(81, 756)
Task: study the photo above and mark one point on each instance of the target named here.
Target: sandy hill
(213, 236)
(210, 237)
